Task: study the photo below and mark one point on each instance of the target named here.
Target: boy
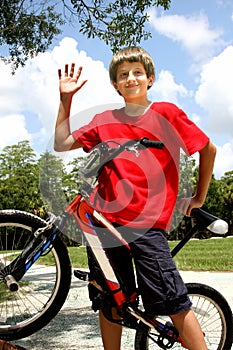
(140, 193)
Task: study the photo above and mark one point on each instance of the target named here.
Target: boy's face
(132, 81)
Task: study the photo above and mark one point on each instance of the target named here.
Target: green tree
(71, 181)
(213, 198)
(27, 27)
(19, 178)
(226, 203)
(187, 181)
(57, 189)
(51, 172)
(118, 23)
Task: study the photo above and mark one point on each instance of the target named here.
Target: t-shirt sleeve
(191, 137)
(87, 135)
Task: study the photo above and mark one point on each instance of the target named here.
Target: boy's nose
(130, 76)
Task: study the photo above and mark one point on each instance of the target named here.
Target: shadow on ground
(70, 329)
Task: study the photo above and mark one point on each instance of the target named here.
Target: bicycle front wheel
(42, 290)
(213, 313)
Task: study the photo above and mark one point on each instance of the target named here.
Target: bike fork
(13, 272)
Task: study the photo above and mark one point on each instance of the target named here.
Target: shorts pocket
(172, 283)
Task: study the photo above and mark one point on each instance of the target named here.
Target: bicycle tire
(42, 290)
(213, 313)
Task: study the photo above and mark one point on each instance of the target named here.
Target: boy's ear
(115, 85)
(151, 80)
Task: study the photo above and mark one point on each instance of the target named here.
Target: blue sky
(192, 46)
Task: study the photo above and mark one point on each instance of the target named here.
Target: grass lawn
(198, 255)
(206, 255)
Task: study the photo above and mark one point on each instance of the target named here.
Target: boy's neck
(135, 110)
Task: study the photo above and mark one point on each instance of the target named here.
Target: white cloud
(192, 31)
(10, 94)
(224, 159)
(34, 89)
(219, 104)
(43, 86)
(196, 118)
(12, 130)
(166, 89)
(215, 93)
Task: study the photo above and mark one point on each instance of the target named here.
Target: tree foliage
(118, 23)
(19, 179)
(27, 27)
(50, 182)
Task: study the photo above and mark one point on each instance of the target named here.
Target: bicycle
(30, 299)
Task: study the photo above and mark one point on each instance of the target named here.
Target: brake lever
(134, 148)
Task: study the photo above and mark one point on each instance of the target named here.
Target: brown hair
(131, 54)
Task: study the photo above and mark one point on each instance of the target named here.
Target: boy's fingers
(79, 72)
(72, 70)
(66, 70)
(59, 73)
(82, 83)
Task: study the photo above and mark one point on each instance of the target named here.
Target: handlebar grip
(211, 222)
(151, 143)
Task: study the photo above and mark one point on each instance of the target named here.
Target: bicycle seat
(209, 221)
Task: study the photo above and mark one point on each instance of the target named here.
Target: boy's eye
(123, 75)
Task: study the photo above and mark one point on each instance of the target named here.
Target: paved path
(222, 281)
(76, 326)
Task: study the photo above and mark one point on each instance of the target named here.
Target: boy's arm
(68, 86)
(206, 164)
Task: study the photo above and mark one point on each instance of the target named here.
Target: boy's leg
(110, 332)
(189, 330)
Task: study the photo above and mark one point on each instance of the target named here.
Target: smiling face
(132, 82)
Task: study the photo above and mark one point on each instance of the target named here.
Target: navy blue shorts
(161, 287)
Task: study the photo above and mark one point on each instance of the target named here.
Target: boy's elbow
(56, 148)
(212, 149)
(69, 145)
(60, 147)
(209, 150)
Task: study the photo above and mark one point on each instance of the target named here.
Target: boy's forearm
(68, 86)
(63, 140)
(206, 165)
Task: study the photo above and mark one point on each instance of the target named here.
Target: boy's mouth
(132, 85)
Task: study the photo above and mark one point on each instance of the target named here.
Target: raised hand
(69, 83)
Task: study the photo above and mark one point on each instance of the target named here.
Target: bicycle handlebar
(204, 219)
(131, 145)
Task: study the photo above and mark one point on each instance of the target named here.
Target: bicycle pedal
(82, 275)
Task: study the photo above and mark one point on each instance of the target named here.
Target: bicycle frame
(87, 218)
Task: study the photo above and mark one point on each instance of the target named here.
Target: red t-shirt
(141, 191)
